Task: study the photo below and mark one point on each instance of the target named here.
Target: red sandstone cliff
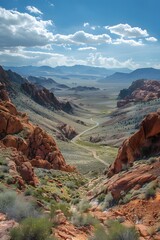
(33, 147)
(143, 143)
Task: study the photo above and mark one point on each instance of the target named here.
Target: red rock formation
(143, 143)
(139, 91)
(34, 147)
(67, 131)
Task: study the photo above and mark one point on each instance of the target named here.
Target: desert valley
(80, 160)
(79, 120)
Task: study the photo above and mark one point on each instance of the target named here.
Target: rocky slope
(130, 189)
(144, 143)
(45, 98)
(139, 91)
(32, 147)
(15, 83)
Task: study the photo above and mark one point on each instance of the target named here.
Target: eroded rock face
(139, 91)
(33, 146)
(67, 131)
(45, 98)
(143, 143)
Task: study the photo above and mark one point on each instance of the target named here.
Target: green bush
(32, 229)
(28, 192)
(118, 231)
(64, 207)
(101, 198)
(99, 234)
(81, 219)
(15, 206)
(150, 193)
(83, 206)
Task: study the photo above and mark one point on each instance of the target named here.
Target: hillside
(47, 83)
(141, 73)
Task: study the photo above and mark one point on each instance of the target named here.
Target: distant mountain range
(141, 73)
(66, 71)
(82, 72)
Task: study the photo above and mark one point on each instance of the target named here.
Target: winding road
(74, 141)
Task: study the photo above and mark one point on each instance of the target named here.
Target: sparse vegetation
(82, 219)
(33, 228)
(150, 193)
(119, 232)
(15, 206)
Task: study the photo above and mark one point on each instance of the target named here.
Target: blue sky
(104, 33)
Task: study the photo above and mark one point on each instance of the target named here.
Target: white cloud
(87, 48)
(130, 42)
(22, 29)
(125, 30)
(52, 4)
(33, 9)
(99, 60)
(93, 28)
(20, 56)
(152, 39)
(86, 24)
(81, 38)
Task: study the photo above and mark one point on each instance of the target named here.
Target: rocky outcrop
(33, 146)
(67, 131)
(44, 97)
(5, 226)
(143, 143)
(134, 179)
(139, 91)
(95, 139)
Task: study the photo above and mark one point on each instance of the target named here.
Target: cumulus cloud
(98, 59)
(87, 48)
(125, 30)
(22, 29)
(152, 39)
(130, 42)
(33, 9)
(81, 38)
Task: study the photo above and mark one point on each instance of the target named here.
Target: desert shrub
(64, 207)
(83, 206)
(10, 180)
(150, 193)
(108, 201)
(99, 234)
(28, 192)
(119, 232)
(101, 198)
(15, 207)
(81, 219)
(75, 200)
(127, 198)
(71, 185)
(32, 229)
(2, 176)
(5, 169)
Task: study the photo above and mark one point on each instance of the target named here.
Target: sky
(102, 33)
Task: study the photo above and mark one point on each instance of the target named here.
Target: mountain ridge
(65, 70)
(140, 73)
